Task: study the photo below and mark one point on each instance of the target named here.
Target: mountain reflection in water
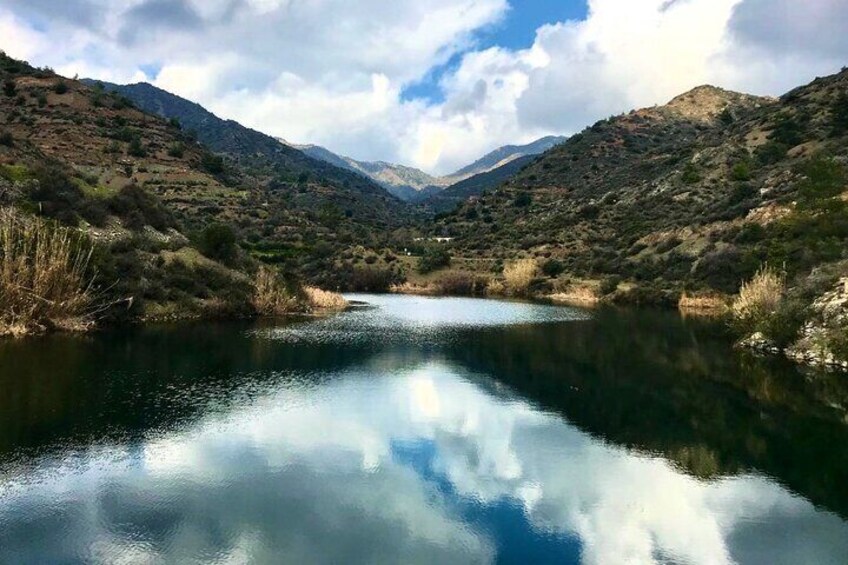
(420, 430)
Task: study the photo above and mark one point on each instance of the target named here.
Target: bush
(10, 88)
(463, 284)
(433, 259)
(7, 139)
(762, 306)
(44, 278)
(213, 164)
(138, 208)
(273, 296)
(373, 279)
(519, 275)
(609, 285)
(691, 174)
(218, 241)
(553, 268)
(60, 87)
(176, 150)
(136, 149)
(523, 200)
(741, 171)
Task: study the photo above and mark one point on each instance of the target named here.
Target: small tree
(218, 241)
(553, 268)
(433, 259)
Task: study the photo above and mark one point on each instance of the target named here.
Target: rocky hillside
(472, 187)
(697, 193)
(178, 229)
(264, 155)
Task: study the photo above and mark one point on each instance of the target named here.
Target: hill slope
(698, 193)
(456, 194)
(351, 193)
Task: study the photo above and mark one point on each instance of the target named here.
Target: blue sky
(517, 30)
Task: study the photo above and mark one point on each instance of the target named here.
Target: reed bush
(324, 300)
(44, 276)
(272, 296)
(519, 275)
(764, 306)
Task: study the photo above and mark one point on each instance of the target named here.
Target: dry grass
(44, 279)
(271, 297)
(577, 296)
(325, 300)
(708, 304)
(761, 296)
(519, 275)
(424, 289)
(496, 287)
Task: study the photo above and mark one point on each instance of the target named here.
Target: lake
(420, 430)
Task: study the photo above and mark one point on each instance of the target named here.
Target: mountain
(407, 183)
(413, 185)
(456, 194)
(696, 194)
(504, 155)
(351, 193)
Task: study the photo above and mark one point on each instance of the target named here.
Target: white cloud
(333, 71)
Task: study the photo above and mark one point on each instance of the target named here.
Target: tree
(553, 268)
(218, 241)
(433, 259)
(212, 163)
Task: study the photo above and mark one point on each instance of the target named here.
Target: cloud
(313, 471)
(333, 72)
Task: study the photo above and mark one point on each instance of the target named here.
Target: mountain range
(413, 185)
(406, 183)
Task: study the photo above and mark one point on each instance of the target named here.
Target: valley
(680, 203)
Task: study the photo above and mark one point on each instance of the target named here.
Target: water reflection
(533, 436)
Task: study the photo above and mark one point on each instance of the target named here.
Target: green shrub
(7, 139)
(10, 88)
(434, 258)
(609, 285)
(741, 171)
(136, 149)
(553, 268)
(691, 175)
(218, 241)
(176, 150)
(60, 87)
(839, 115)
(213, 164)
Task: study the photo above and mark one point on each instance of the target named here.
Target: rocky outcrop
(824, 338)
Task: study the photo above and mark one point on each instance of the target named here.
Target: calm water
(420, 431)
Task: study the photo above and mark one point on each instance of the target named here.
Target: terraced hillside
(694, 194)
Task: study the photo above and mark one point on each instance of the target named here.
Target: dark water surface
(420, 431)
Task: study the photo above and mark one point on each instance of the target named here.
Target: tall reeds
(44, 276)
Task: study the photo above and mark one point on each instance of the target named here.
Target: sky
(433, 84)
